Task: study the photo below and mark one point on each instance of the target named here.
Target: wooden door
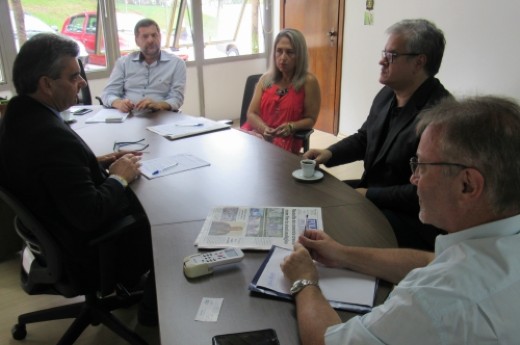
(321, 22)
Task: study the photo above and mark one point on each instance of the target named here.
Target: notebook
(344, 289)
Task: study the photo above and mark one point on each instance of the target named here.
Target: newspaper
(257, 227)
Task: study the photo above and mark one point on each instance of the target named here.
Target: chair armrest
(99, 100)
(303, 134)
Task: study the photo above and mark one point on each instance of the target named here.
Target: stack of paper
(163, 166)
(187, 126)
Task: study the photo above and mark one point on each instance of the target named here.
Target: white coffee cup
(308, 167)
(67, 115)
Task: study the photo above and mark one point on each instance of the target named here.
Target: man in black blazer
(73, 193)
(387, 140)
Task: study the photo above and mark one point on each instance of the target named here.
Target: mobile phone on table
(82, 111)
(260, 337)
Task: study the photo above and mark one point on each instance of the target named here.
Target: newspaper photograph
(257, 227)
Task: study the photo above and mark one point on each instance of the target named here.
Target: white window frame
(106, 12)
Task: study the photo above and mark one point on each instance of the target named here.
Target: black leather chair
(249, 90)
(46, 275)
(84, 96)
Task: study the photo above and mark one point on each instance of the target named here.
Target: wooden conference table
(244, 171)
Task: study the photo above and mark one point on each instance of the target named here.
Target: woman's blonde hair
(299, 45)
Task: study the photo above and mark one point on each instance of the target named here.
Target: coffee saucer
(298, 174)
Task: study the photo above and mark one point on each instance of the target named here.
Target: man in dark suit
(73, 193)
(386, 141)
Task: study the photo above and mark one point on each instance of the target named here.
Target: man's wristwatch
(299, 284)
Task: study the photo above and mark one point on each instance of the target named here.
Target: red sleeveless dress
(279, 106)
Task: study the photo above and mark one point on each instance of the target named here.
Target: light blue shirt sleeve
(133, 79)
(467, 295)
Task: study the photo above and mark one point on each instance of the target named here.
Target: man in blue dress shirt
(150, 79)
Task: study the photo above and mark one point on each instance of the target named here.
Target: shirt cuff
(119, 179)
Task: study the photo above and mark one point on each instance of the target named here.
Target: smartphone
(260, 337)
(82, 111)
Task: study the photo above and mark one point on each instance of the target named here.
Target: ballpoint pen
(158, 171)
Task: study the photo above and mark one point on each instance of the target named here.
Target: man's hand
(154, 106)
(110, 158)
(127, 167)
(322, 247)
(320, 156)
(123, 105)
(299, 265)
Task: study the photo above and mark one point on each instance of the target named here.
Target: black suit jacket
(55, 174)
(386, 158)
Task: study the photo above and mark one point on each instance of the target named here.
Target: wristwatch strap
(300, 284)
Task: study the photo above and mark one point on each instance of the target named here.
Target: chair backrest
(84, 96)
(48, 274)
(46, 269)
(249, 90)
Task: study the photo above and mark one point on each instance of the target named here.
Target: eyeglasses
(414, 164)
(391, 56)
(130, 146)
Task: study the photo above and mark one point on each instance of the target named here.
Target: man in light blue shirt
(151, 79)
(467, 292)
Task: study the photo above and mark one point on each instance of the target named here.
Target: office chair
(46, 275)
(249, 90)
(84, 96)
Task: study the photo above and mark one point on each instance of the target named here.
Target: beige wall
(480, 58)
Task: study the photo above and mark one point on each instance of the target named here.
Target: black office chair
(249, 90)
(84, 95)
(47, 276)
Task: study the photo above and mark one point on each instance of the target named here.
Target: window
(232, 28)
(211, 28)
(29, 18)
(2, 79)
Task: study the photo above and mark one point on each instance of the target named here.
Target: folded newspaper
(256, 227)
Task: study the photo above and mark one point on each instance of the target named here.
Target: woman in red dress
(287, 97)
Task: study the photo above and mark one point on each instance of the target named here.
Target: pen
(158, 171)
(311, 252)
(189, 124)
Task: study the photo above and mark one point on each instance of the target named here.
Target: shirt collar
(503, 227)
(140, 57)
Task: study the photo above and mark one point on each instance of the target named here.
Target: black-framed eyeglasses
(391, 56)
(414, 164)
(130, 145)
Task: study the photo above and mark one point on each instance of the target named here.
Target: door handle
(332, 36)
